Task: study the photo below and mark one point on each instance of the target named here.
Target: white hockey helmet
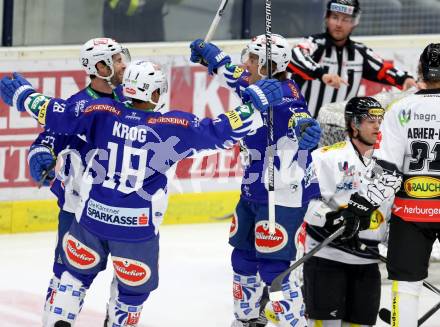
(141, 79)
(101, 49)
(281, 51)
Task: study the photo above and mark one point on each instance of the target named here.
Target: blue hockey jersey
(290, 162)
(123, 194)
(72, 149)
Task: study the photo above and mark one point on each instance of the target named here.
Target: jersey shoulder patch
(238, 71)
(332, 147)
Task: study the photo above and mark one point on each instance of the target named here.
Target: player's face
(339, 25)
(119, 65)
(368, 130)
(251, 65)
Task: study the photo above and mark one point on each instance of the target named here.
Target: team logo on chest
(348, 179)
(266, 242)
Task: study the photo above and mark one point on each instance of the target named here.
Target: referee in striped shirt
(329, 66)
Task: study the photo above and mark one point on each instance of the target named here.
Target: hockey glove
(357, 215)
(41, 160)
(210, 53)
(333, 221)
(263, 93)
(15, 91)
(308, 132)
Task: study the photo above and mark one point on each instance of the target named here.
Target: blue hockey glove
(209, 53)
(15, 91)
(263, 93)
(41, 163)
(308, 132)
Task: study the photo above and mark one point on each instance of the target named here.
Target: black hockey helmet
(430, 62)
(349, 7)
(359, 108)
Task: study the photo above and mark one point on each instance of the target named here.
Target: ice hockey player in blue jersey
(258, 256)
(123, 196)
(104, 60)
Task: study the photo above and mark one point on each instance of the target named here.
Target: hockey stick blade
(46, 174)
(216, 21)
(385, 315)
(276, 293)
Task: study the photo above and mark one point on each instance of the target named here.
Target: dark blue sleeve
(62, 116)
(194, 134)
(53, 141)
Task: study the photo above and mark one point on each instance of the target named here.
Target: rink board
(188, 208)
(201, 188)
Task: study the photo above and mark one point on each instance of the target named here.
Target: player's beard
(362, 139)
(115, 80)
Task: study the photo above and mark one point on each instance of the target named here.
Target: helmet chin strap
(260, 73)
(159, 104)
(108, 79)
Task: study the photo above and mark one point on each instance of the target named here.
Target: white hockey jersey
(411, 142)
(338, 169)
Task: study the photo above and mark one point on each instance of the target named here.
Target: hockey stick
(270, 137)
(276, 293)
(46, 174)
(385, 314)
(216, 21)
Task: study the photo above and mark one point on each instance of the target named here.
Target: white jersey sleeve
(394, 139)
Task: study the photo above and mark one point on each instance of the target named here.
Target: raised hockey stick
(216, 21)
(270, 137)
(275, 292)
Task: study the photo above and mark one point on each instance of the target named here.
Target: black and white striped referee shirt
(318, 55)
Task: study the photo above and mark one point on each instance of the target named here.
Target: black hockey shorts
(409, 249)
(339, 291)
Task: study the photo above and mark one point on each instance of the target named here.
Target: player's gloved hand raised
(263, 93)
(308, 132)
(15, 91)
(41, 161)
(207, 52)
